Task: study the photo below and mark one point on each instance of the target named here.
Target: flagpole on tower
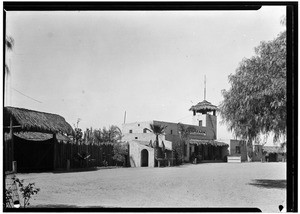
(204, 87)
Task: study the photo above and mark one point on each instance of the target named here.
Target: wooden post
(14, 166)
(68, 165)
(12, 142)
(54, 150)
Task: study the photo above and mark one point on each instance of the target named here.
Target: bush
(26, 191)
(120, 151)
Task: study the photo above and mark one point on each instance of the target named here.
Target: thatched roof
(207, 142)
(39, 136)
(35, 121)
(273, 149)
(203, 106)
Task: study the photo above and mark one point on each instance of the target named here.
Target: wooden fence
(82, 155)
(55, 155)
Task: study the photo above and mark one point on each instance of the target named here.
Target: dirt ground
(261, 185)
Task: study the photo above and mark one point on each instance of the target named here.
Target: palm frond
(9, 42)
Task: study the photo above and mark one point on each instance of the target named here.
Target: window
(144, 130)
(130, 131)
(171, 131)
(238, 150)
(200, 122)
(138, 124)
(136, 137)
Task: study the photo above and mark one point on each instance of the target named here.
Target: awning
(207, 142)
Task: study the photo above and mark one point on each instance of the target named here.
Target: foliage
(120, 151)
(26, 191)
(78, 134)
(9, 44)
(256, 102)
(184, 137)
(113, 135)
(83, 158)
(157, 130)
(8, 198)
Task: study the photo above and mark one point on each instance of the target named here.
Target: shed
(31, 137)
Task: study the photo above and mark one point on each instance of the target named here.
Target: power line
(26, 95)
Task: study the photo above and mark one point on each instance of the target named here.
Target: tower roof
(203, 106)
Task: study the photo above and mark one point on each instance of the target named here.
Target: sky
(151, 64)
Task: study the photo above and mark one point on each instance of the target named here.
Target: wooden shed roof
(35, 121)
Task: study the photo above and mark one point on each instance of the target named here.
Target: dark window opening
(130, 131)
(238, 150)
(145, 130)
(136, 137)
(171, 131)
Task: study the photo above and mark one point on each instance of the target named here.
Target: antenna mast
(125, 117)
(204, 87)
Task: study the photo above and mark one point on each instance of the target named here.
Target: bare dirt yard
(261, 185)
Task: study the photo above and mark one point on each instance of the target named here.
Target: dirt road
(261, 185)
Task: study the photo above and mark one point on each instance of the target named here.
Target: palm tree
(113, 134)
(184, 137)
(157, 130)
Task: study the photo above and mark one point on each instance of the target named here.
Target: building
(238, 148)
(32, 139)
(197, 141)
(274, 154)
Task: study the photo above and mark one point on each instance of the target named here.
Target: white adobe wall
(135, 150)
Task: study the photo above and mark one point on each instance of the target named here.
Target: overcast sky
(97, 65)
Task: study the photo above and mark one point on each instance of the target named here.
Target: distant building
(200, 146)
(274, 154)
(238, 148)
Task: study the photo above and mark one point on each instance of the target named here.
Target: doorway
(144, 158)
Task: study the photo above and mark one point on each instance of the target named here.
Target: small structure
(141, 154)
(274, 154)
(238, 148)
(31, 139)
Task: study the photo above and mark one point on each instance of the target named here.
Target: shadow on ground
(270, 184)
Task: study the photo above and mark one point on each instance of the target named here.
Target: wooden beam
(12, 127)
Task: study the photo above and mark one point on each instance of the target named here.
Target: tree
(113, 134)
(9, 44)
(120, 151)
(157, 130)
(256, 102)
(184, 137)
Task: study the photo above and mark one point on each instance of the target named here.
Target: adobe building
(238, 148)
(274, 154)
(200, 146)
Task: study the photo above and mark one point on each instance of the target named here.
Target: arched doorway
(144, 157)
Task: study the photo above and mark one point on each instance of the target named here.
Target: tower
(202, 114)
